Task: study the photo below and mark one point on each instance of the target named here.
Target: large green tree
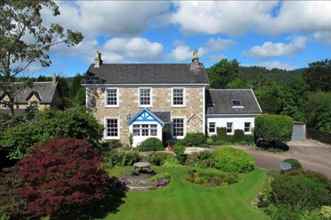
(318, 76)
(222, 73)
(25, 39)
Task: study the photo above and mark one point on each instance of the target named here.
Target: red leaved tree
(62, 175)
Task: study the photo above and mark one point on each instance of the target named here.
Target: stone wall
(193, 111)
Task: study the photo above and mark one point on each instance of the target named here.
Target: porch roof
(145, 115)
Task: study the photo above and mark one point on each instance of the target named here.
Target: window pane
(111, 96)
(145, 96)
(247, 126)
(236, 102)
(212, 128)
(136, 130)
(144, 130)
(229, 127)
(112, 128)
(178, 127)
(178, 96)
(153, 130)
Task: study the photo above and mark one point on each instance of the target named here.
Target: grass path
(182, 200)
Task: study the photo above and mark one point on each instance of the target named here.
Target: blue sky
(283, 34)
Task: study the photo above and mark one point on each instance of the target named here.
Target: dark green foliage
(238, 135)
(300, 190)
(296, 165)
(76, 122)
(151, 144)
(113, 144)
(273, 127)
(119, 157)
(222, 73)
(194, 139)
(203, 159)
(318, 111)
(159, 158)
(179, 151)
(211, 177)
(233, 160)
(221, 132)
(318, 75)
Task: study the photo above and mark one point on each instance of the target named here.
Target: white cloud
(323, 36)
(270, 49)
(131, 49)
(218, 44)
(109, 17)
(182, 52)
(235, 17)
(276, 64)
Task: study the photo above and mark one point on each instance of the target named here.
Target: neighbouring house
(233, 109)
(138, 101)
(43, 95)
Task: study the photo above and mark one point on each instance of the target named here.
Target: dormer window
(236, 103)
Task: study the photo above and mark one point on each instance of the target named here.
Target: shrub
(63, 177)
(238, 135)
(161, 179)
(300, 190)
(296, 165)
(75, 123)
(221, 132)
(179, 150)
(194, 139)
(272, 145)
(151, 144)
(209, 177)
(325, 212)
(233, 160)
(121, 157)
(171, 162)
(114, 144)
(159, 158)
(273, 127)
(203, 159)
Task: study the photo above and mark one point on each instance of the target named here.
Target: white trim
(258, 104)
(105, 137)
(250, 127)
(172, 97)
(150, 96)
(184, 126)
(117, 97)
(232, 115)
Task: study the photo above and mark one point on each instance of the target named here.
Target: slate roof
(146, 74)
(45, 91)
(164, 116)
(219, 101)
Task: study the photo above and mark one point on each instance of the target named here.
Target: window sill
(145, 106)
(112, 106)
(178, 106)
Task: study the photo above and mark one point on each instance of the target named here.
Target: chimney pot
(98, 60)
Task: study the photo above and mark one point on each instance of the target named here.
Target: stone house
(138, 101)
(43, 95)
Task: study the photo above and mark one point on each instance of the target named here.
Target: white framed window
(178, 127)
(153, 130)
(247, 127)
(145, 97)
(178, 97)
(229, 127)
(212, 127)
(136, 130)
(111, 97)
(144, 130)
(111, 128)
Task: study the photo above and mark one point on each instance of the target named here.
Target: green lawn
(182, 200)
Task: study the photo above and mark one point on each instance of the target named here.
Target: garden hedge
(273, 127)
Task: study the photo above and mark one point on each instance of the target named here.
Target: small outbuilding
(231, 109)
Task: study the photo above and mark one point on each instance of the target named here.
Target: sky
(274, 34)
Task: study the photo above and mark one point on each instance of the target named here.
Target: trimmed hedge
(151, 144)
(211, 177)
(194, 139)
(233, 160)
(273, 127)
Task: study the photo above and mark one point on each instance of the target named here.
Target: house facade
(138, 101)
(43, 95)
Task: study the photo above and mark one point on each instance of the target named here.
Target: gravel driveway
(313, 155)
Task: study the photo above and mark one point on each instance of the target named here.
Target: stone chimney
(54, 78)
(196, 65)
(98, 60)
